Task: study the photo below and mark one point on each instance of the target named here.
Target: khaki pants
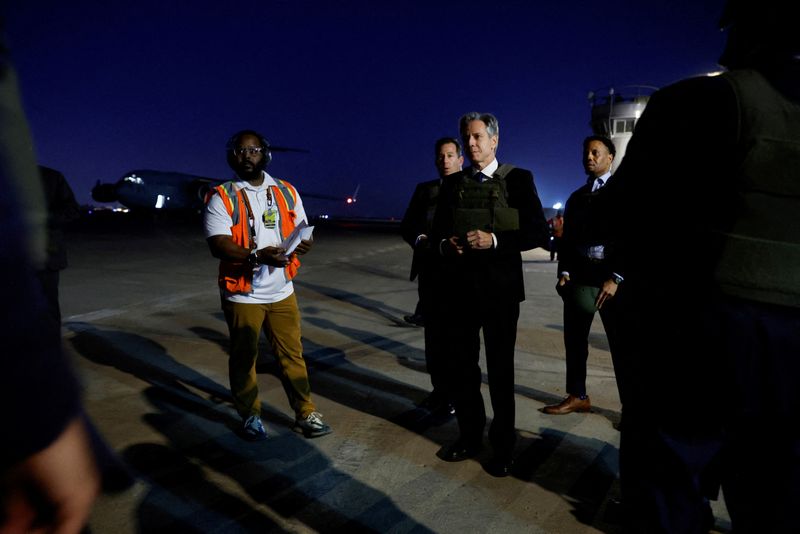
(281, 323)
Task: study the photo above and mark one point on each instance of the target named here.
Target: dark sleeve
(532, 231)
(673, 172)
(443, 222)
(62, 206)
(566, 248)
(38, 391)
(61, 209)
(413, 223)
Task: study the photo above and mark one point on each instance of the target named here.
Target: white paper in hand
(301, 232)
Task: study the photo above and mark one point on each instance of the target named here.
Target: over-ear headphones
(233, 142)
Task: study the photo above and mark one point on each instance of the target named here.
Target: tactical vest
(484, 205)
(760, 258)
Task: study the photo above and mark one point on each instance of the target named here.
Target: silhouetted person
(61, 209)
(585, 279)
(49, 477)
(416, 229)
(713, 321)
(487, 214)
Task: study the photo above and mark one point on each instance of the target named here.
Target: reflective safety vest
(237, 277)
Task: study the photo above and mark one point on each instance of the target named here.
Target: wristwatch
(617, 279)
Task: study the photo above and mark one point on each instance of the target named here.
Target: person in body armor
(415, 229)
(246, 220)
(486, 215)
(585, 281)
(713, 323)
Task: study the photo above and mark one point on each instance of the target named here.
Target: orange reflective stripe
(235, 277)
(238, 277)
(286, 197)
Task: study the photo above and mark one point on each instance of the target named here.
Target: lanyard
(251, 217)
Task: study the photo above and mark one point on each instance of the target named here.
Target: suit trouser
(49, 279)
(435, 333)
(498, 319)
(743, 436)
(577, 325)
(281, 324)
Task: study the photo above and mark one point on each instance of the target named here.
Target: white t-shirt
(269, 283)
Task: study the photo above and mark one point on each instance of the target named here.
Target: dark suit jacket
(495, 272)
(61, 209)
(587, 222)
(417, 220)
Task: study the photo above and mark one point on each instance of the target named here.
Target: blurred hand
(274, 256)
(303, 247)
(452, 247)
(52, 490)
(479, 240)
(608, 290)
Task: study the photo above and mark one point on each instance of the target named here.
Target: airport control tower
(615, 112)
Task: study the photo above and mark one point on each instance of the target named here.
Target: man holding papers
(256, 225)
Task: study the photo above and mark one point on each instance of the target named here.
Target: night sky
(365, 86)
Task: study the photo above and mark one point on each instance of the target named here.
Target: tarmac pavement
(142, 321)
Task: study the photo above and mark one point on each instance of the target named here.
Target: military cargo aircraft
(156, 190)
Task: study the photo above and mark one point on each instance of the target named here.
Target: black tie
(599, 184)
(480, 177)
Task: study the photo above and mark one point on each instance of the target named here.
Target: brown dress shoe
(568, 405)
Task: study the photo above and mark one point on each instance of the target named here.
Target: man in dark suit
(486, 215)
(415, 229)
(585, 279)
(62, 208)
(714, 321)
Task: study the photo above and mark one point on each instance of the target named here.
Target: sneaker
(253, 429)
(312, 426)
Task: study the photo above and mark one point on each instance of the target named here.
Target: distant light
(160, 201)
(351, 200)
(557, 206)
(715, 73)
(133, 179)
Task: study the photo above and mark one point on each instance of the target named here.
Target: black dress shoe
(460, 451)
(436, 404)
(416, 319)
(499, 467)
(431, 402)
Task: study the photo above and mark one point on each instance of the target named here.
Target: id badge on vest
(270, 217)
